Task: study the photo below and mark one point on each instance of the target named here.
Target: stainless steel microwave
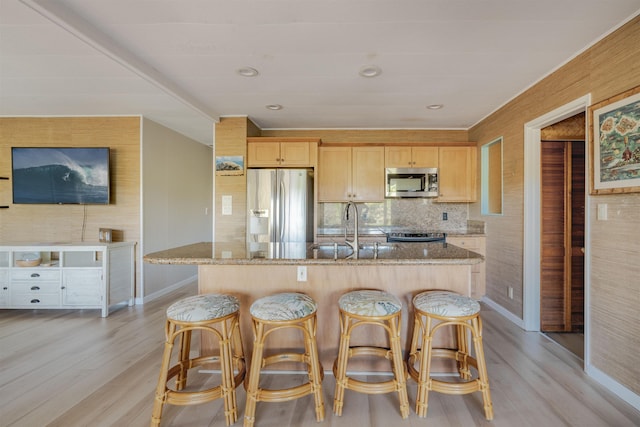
(411, 182)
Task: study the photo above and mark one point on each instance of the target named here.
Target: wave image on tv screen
(61, 175)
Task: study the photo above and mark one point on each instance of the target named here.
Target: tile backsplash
(416, 214)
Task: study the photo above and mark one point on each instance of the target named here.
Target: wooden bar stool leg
(424, 379)
(340, 369)
(160, 395)
(226, 363)
(398, 365)
(483, 377)
(463, 352)
(254, 374)
(185, 349)
(315, 377)
(237, 354)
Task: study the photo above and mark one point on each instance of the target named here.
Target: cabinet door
(477, 245)
(457, 174)
(334, 174)
(397, 157)
(294, 154)
(367, 174)
(4, 287)
(82, 287)
(263, 154)
(424, 157)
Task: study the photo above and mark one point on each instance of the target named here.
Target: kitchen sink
(344, 251)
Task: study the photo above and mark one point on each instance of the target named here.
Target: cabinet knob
(5, 288)
(35, 288)
(35, 301)
(35, 275)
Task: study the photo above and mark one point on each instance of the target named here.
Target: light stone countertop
(238, 253)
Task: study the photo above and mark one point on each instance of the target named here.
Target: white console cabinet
(74, 275)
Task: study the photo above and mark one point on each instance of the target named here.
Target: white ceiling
(175, 61)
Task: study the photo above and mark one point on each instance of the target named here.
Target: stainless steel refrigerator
(280, 205)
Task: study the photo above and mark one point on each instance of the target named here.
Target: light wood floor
(73, 368)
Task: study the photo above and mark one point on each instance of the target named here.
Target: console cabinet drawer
(35, 275)
(35, 300)
(40, 287)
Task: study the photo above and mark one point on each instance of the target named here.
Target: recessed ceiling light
(370, 71)
(274, 107)
(247, 72)
(435, 106)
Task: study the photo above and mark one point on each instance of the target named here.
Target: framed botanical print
(615, 144)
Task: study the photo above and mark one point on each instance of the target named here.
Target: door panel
(562, 236)
(552, 274)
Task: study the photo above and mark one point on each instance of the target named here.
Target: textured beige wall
(64, 223)
(606, 69)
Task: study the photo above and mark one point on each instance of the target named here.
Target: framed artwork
(229, 165)
(614, 144)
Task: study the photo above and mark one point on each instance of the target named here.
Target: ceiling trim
(80, 28)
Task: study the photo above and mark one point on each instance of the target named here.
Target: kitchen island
(325, 272)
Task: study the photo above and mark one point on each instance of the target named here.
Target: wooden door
(368, 174)
(457, 174)
(334, 174)
(397, 157)
(263, 154)
(425, 157)
(562, 236)
(294, 154)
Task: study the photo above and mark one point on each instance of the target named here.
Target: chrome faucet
(352, 243)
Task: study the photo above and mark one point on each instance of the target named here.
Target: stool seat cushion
(445, 304)
(204, 307)
(283, 307)
(370, 303)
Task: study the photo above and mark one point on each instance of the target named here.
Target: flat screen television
(44, 175)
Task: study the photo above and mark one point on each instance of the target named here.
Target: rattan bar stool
(273, 313)
(434, 310)
(218, 316)
(370, 307)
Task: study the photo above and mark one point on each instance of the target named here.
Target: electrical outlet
(510, 292)
(445, 217)
(302, 273)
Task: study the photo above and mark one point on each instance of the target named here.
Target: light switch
(602, 211)
(226, 205)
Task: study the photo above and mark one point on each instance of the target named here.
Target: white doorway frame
(531, 267)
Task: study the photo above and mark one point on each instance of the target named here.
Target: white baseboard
(503, 311)
(613, 386)
(167, 290)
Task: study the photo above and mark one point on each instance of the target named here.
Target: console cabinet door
(4, 287)
(82, 287)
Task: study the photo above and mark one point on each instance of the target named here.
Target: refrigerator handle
(283, 219)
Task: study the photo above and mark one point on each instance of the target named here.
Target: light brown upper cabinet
(457, 174)
(266, 152)
(350, 173)
(410, 157)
